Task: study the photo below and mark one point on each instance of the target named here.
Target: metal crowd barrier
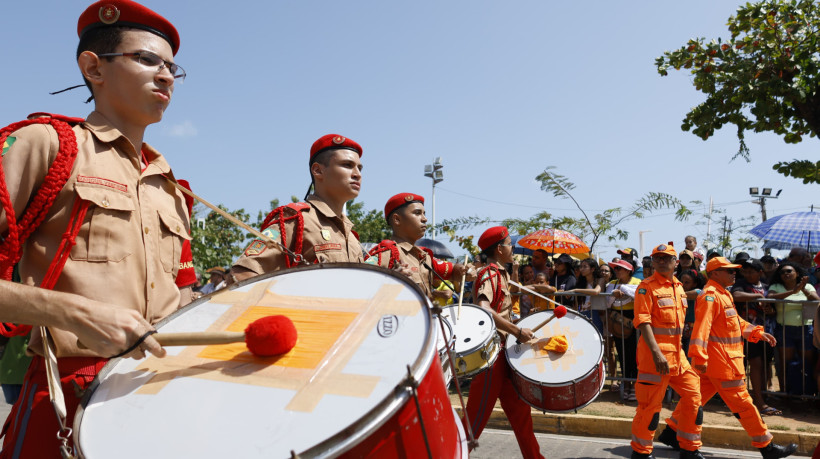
(808, 313)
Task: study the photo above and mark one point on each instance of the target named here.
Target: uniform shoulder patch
(372, 260)
(7, 144)
(709, 298)
(273, 233)
(255, 248)
(642, 291)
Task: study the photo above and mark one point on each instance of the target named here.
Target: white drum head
(550, 368)
(359, 328)
(472, 330)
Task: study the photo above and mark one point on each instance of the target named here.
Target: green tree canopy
(215, 240)
(764, 77)
(370, 225)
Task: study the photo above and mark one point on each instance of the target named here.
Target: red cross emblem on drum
(109, 14)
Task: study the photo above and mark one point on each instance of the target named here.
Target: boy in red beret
(316, 231)
(492, 291)
(405, 215)
(93, 218)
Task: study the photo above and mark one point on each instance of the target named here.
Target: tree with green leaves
(764, 77)
(370, 225)
(590, 229)
(216, 241)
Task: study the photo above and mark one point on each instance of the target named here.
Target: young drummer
(717, 354)
(107, 242)
(405, 215)
(491, 291)
(316, 230)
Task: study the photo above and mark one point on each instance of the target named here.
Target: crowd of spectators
(605, 293)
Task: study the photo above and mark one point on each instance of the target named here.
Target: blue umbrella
(788, 245)
(517, 249)
(795, 229)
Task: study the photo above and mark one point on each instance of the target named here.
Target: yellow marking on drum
(317, 331)
(564, 360)
(356, 317)
(322, 380)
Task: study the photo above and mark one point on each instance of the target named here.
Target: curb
(601, 426)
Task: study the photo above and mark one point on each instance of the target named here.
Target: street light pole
(761, 199)
(640, 239)
(434, 171)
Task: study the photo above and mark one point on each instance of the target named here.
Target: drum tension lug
(436, 310)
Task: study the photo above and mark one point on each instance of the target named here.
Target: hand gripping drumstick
(265, 337)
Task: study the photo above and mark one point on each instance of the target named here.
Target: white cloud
(184, 129)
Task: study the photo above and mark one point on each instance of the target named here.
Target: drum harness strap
(278, 216)
(491, 274)
(11, 248)
(385, 246)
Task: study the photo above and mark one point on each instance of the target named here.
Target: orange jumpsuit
(717, 342)
(662, 303)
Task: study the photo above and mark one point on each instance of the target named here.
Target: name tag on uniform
(326, 247)
(666, 302)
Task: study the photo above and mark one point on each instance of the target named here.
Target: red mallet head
(560, 311)
(272, 335)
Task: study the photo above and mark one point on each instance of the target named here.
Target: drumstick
(535, 293)
(265, 337)
(559, 312)
(461, 292)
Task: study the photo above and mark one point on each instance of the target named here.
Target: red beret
(399, 200)
(333, 141)
(125, 13)
(492, 235)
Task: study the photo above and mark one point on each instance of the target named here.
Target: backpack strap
(491, 274)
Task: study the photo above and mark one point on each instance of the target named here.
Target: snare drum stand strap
(413, 388)
(55, 394)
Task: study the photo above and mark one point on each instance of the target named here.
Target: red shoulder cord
(494, 278)
(385, 246)
(277, 216)
(11, 248)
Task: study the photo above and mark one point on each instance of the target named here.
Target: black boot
(637, 455)
(772, 451)
(669, 438)
(685, 454)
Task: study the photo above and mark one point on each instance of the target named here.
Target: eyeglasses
(149, 59)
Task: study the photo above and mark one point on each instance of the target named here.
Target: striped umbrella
(800, 229)
(554, 241)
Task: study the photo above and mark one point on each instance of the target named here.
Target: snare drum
(365, 341)
(476, 342)
(550, 381)
(444, 342)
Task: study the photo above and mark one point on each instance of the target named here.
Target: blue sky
(499, 90)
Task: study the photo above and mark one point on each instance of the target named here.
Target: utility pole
(761, 199)
(434, 171)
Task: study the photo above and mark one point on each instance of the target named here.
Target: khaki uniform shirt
(327, 238)
(661, 303)
(128, 248)
(415, 258)
(486, 285)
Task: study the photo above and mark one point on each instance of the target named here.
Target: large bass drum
(364, 379)
(559, 382)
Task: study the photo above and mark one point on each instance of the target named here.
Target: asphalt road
(495, 444)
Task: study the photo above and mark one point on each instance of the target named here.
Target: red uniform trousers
(31, 428)
(737, 398)
(650, 391)
(495, 384)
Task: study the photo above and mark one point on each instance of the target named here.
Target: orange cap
(719, 262)
(667, 248)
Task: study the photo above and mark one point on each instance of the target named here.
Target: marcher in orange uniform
(660, 308)
(716, 350)
(492, 292)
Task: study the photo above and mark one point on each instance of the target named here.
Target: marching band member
(104, 236)
(717, 354)
(405, 215)
(491, 291)
(317, 229)
(660, 309)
